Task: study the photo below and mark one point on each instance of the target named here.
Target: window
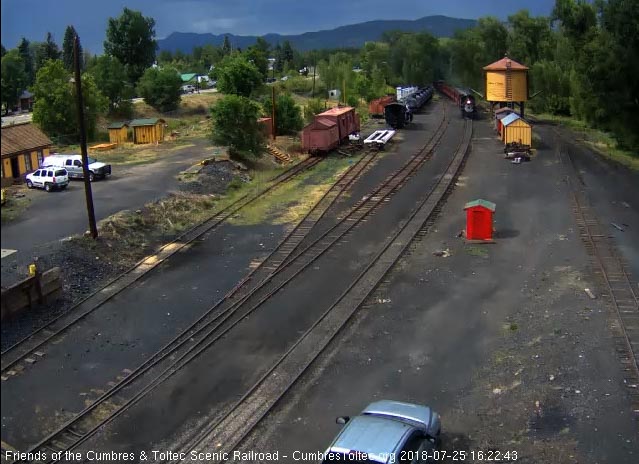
(410, 448)
(49, 173)
(37, 173)
(40, 158)
(61, 172)
(68, 163)
(77, 163)
(27, 162)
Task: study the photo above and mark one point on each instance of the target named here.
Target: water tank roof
(502, 65)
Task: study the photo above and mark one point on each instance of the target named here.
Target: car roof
(421, 415)
(375, 436)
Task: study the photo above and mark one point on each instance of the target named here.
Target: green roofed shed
(148, 130)
(188, 77)
(118, 132)
(485, 203)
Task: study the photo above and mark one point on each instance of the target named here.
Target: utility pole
(314, 68)
(83, 139)
(273, 112)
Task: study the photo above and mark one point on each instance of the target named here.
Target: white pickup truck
(73, 165)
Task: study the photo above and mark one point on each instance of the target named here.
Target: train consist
(409, 99)
(462, 97)
(329, 130)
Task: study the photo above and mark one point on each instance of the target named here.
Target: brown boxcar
(320, 136)
(376, 107)
(346, 119)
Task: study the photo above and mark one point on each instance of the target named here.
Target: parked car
(73, 165)
(387, 431)
(48, 178)
(188, 88)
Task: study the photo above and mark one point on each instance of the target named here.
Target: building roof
(26, 94)
(336, 111)
(263, 119)
(510, 118)
(485, 203)
(117, 125)
(504, 109)
(188, 76)
(18, 138)
(502, 65)
(145, 122)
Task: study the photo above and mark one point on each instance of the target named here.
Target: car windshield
(92, 160)
(61, 172)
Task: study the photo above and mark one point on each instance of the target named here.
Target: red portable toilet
(479, 220)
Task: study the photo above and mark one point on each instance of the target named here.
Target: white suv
(48, 179)
(73, 165)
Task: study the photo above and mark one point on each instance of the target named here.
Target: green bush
(235, 125)
(160, 88)
(288, 115)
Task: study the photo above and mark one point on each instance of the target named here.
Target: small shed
(500, 114)
(118, 132)
(150, 130)
(26, 101)
(266, 125)
(516, 129)
(479, 219)
(321, 135)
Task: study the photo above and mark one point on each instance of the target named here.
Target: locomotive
(467, 104)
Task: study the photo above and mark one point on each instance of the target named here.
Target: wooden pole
(83, 139)
(273, 111)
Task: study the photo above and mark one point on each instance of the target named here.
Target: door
(15, 167)
(77, 169)
(37, 180)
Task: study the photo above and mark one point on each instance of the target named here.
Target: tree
(288, 116)
(287, 54)
(67, 48)
(14, 78)
(530, 38)
(3, 51)
(160, 88)
(55, 110)
(112, 81)
(25, 53)
(235, 75)
(131, 39)
(50, 48)
(235, 125)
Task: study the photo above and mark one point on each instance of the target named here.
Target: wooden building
(118, 132)
(479, 220)
(516, 129)
(149, 130)
(24, 146)
(506, 83)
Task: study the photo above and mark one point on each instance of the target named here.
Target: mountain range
(353, 35)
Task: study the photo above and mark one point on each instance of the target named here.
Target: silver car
(387, 432)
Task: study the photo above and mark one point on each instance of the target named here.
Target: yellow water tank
(506, 81)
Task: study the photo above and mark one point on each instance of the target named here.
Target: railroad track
(619, 286)
(217, 321)
(227, 432)
(27, 351)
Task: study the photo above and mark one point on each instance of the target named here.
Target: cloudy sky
(33, 18)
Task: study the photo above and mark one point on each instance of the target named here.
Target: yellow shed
(118, 132)
(515, 129)
(24, 146)
(148, 130)
(506, 81)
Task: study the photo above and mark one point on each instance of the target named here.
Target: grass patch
(601, 142)
(291, 201)
(14, 207)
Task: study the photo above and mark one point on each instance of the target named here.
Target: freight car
(397, 115)
(376, 107)
(329, 130)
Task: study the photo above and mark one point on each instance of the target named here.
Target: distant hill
(354, 35)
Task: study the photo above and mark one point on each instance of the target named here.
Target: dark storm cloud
(33, 18)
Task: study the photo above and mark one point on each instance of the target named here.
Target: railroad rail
(613, 274)
(233, 426)
(32, 345)
(211, 326)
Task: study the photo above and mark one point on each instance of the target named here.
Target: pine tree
(226, 46)
(51, 50)
(67, 48)
(25, 54)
